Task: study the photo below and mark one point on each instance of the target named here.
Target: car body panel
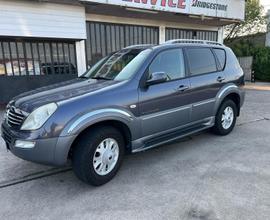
(163, 106)
(153, 115)
(204, 89)
(57, 92)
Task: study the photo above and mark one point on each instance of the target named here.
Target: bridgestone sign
(208, 5)
(229, 9)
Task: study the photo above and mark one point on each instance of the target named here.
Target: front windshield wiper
(101, 77)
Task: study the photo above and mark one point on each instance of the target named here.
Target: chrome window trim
(157, 114)
(204, 102)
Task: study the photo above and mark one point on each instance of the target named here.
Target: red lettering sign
(153, 2)
(163, 3)
(181, 4)
(171, 3)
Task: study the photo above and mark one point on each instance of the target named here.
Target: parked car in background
(58, 68)
(134, 99)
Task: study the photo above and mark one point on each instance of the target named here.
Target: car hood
(57, 92)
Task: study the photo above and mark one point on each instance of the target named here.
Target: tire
(221, 128)
(95, 147)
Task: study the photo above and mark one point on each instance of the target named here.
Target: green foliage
(261, 63)
(255, 21)
(261, 58)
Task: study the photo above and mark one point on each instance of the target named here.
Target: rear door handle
(182, 88)
(220, 79)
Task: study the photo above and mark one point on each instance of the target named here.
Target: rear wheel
(225, 118)
(97, 155)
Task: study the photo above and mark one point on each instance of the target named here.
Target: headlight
(38, 117)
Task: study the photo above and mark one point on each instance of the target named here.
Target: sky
(266, 4)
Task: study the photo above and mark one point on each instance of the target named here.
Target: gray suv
(134, 99)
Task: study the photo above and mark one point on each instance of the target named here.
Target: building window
(37, 57)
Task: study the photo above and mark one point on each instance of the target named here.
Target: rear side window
(170, 62)
(221, 56)
(201, 60)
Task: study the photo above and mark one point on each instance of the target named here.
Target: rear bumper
(48, 151)
(242, 97)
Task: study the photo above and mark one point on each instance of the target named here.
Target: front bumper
(48, 151)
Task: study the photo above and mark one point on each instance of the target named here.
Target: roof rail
(192, 41)
(139, 45)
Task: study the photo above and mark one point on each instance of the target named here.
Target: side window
(170, 62)
(221, 56)
(201, 60)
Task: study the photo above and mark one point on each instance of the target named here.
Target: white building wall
(81, 57)
(162, 34)
(221, 35)
(46, 20)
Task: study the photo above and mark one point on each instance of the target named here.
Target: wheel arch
(119, 125)
(236, 99)
(230, 92)
(121, 119)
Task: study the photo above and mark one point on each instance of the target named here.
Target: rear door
(206, 79)
(165, 106)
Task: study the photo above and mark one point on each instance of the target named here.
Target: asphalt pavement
(200, 177)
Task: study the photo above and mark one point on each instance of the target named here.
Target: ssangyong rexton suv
(131, 100)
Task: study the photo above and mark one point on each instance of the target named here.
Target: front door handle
(182, 88)
(220, 79)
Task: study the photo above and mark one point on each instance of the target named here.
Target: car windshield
(118, 66)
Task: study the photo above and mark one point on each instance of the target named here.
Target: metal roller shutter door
(104, 38)
(174, 33)
(27, 64)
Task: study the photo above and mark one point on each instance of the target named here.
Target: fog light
(24, 144)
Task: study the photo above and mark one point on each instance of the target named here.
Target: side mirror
(156, 78)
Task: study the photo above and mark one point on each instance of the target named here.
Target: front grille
(15, 116)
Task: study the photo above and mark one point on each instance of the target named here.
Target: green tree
(255, 21)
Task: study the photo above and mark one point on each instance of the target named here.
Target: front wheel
(97, 155)
(225, 118)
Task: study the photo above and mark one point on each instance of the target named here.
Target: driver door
(165, 106)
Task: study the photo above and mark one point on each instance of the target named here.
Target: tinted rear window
(221, 55)
(201, 60)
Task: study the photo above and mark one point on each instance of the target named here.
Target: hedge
(261, 58)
